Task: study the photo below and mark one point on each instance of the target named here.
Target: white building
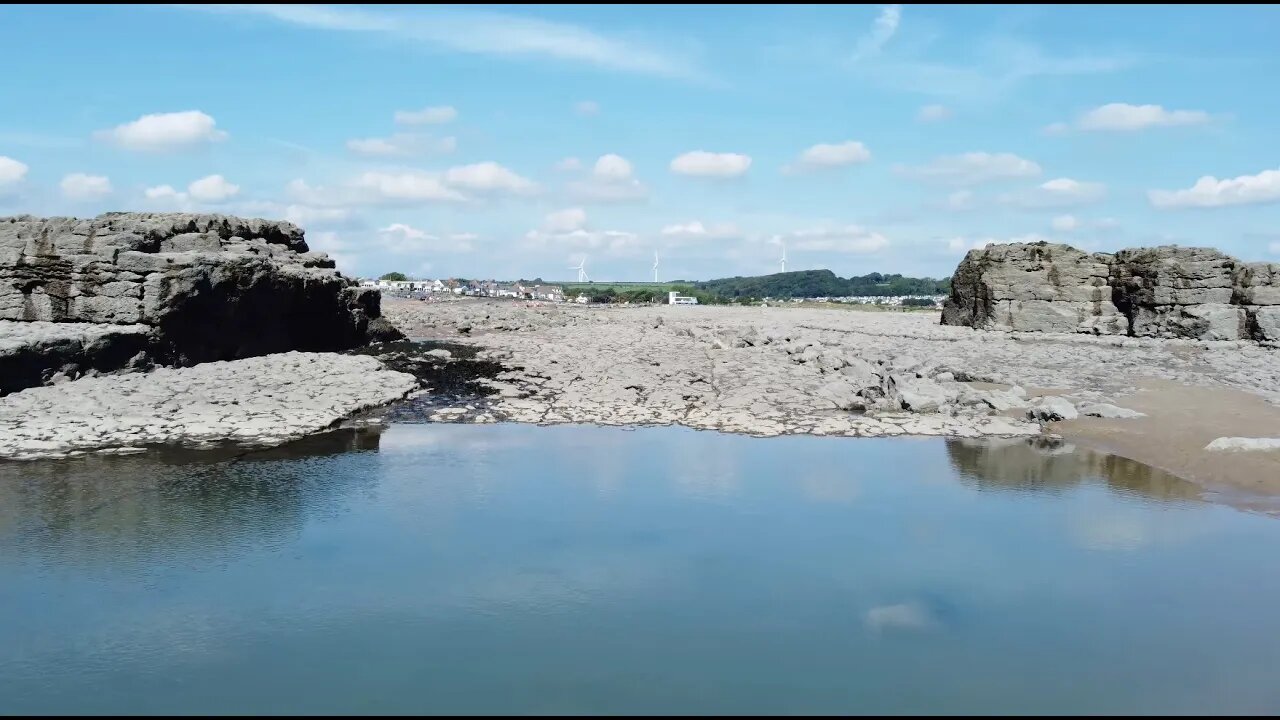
(675, 298)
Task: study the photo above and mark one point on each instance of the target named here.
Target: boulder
(1107, 410)
(1051, 408)
(208, 287)
(1243, 444)
(1165, 292)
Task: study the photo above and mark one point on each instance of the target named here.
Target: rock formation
(1167, 292)
(208, 287)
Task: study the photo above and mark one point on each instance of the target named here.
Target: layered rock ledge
(258, 401)
(206, 287)
(1161, 292)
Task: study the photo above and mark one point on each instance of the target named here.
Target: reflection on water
(1049, 465)
(172, 504)
(501, 569)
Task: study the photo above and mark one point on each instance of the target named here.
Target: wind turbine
(582, 269)
(655, 266)
(784, 255)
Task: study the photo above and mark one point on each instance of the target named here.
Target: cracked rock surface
(778, 370)
(258, 401)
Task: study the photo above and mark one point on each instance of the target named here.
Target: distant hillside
(822, 283)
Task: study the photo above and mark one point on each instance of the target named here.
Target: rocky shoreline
(784, 370)
(131, 331)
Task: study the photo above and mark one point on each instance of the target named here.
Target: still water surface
(473, 569)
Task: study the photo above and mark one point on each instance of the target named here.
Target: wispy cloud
(886, 25)
(483, 33)
(999, 65)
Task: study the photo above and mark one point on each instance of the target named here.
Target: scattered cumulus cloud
(426, 116)
(972, 168)
(79, 186)
(488, 177)
(933, 113)
(1126, 117)
(402, 239)
(701, 163)
(587, 107)
(401, 145)
(852, 239)
(12, 172)
(566, 220)
(830, 155)
(963, 244)
(1210, 192)
(164, 131)
(212, 189)
(695, 229)
(612, 179)
(1058, 193)
(882, 31)
(961, 200)
(569, 164)
(376, 188)
(1065, 223)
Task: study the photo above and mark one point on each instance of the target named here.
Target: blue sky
(512, 141)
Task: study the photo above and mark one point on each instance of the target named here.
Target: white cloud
(972, 168)
(164, 131)
(478, 32)
(164, 192)
(933, 113)
(78, 186)
(212, 189)
(488, 177)
(695, 230)
(701, 163)
(847, 239)
(961, 244)
(401, 239)
(906, 616)
(886, 25)
(1065, 223)
(587, 107)
(569, 164)
(826, 155)
(426, 116)
(614, 242)
(373, 188)
(1057, 128)
(1209, 191)
(411, 186)
(1058, 193)
(1124, 117)
(1274, 248)
(566, 220)
(996, 65)
(612, 168)
(401, 145)
(612, 180)
(305, 215)
(960, 200)
(11, 171)
(964, 244)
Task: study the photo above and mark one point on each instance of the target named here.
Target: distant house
(675, 298)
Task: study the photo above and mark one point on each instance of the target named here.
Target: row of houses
(889, 300)
(471, 288)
